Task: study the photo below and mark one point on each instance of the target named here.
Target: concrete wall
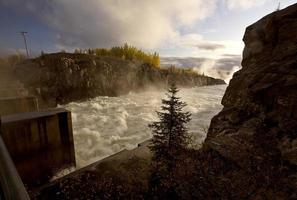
(40, 143)
(12, 105)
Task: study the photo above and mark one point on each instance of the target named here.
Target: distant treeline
(176, 70)
(126, 52)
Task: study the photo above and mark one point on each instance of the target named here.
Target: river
(105, 125)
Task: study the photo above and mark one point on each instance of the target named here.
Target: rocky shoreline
(64, 77)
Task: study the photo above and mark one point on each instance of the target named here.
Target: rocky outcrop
(62, 77)
(255, 135)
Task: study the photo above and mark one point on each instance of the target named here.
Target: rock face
(62, 77)
(255, 135)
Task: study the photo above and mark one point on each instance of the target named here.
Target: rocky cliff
(254, 137)
(62, 77)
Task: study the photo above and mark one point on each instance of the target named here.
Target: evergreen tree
(170, 138)
(170, 134)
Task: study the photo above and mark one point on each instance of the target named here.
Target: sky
(203, 34)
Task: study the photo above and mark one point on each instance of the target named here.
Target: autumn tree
(128, 52)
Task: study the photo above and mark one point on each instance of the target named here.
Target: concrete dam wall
(39, 142)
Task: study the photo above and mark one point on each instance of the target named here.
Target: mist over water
(106, 125)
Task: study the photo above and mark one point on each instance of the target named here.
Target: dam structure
(35, 144)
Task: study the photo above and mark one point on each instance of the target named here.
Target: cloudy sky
(209, 32)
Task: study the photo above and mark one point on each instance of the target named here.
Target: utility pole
(23, 33)
(279, 6)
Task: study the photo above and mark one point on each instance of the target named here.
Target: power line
(23, 33)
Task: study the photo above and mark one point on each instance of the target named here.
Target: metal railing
(11, 184)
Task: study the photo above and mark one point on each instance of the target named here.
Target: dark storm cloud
(92, 23)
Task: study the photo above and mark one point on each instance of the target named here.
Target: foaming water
(105, 125)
